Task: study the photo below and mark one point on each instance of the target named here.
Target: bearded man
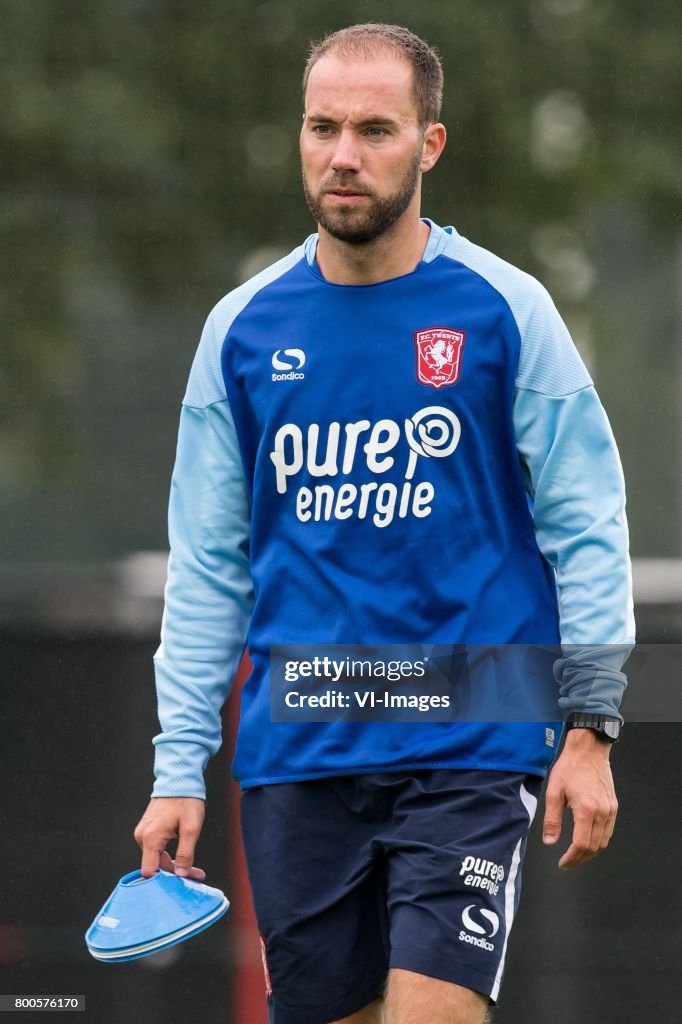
(324, 455)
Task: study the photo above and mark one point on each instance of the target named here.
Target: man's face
(361, 145)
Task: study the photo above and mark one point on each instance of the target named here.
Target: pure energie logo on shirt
(337, 449)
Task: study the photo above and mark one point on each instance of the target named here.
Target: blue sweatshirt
(420, 460)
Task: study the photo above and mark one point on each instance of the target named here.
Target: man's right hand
(166, 818)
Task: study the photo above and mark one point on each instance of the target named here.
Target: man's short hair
(374, 39)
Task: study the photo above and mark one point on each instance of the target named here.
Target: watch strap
(606, 726)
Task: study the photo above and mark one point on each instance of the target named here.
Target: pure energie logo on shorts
(482, 874)
(337, 450)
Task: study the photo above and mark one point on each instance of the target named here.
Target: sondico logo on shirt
(294, 361)
(481, 931)
(431, 433)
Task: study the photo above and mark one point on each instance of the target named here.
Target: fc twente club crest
(439, 355)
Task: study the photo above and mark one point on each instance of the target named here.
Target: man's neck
(398, 251)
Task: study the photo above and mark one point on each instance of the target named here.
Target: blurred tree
(149, 163)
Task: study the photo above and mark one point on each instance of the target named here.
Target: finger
(591, 835)
(167, 864)
(554, 812)
(574, 856)
(184, 855)
(153, 842)
(580, 841)
(609, 827)
(597, 836)
(151, 858)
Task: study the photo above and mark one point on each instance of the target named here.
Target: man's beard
(348, 224)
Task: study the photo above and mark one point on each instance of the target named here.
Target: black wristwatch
(606, 727)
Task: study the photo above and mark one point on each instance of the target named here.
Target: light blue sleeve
(573, 474)
(209, 594)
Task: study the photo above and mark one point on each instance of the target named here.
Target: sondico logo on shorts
(431, 433)
(484, 925)
(482, 874)
(295, 359)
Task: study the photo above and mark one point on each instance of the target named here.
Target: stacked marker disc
(145, 915)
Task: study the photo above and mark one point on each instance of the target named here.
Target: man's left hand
(581, 779)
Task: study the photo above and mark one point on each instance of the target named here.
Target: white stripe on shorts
(530, 803)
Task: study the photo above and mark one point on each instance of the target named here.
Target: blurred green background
(149, 164)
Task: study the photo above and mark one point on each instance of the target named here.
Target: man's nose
(346, 156)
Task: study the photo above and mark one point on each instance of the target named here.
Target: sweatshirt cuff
(591, 678)
(179, 768)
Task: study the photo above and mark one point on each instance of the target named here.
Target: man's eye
(376, 132)
(321, 129)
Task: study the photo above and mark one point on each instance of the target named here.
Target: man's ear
(433, 145)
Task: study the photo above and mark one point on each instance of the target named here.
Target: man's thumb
(184, 859)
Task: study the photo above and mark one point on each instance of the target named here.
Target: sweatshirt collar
(438, 239)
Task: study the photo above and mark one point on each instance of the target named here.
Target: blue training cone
(145, 915)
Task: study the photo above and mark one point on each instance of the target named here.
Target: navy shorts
(354, 875)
